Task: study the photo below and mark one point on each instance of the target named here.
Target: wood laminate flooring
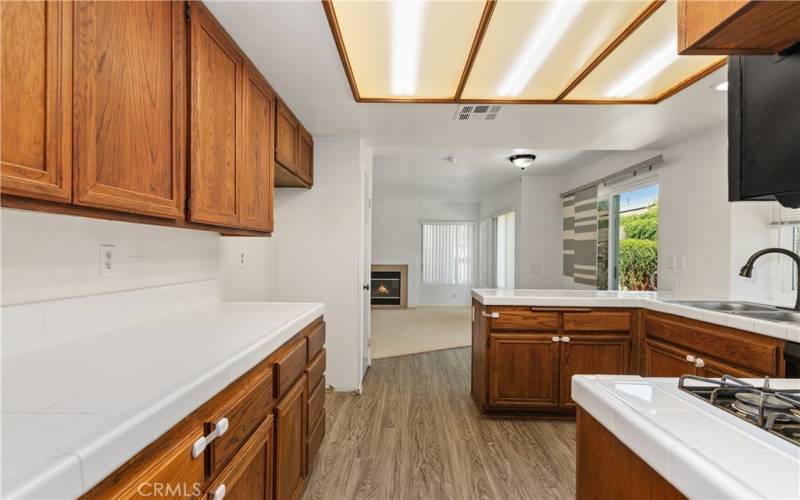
(414, 433)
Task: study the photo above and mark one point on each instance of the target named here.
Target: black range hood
(764, 128)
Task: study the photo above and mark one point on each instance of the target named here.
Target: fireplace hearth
(388, 286)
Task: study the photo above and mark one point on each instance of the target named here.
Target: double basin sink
(748, 309)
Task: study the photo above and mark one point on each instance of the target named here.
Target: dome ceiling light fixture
(522, 161)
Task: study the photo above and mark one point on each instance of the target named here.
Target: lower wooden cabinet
(591, 354)
(249, 474)
(264, 452)
(664, 360)
(523, 370)
(290, 442)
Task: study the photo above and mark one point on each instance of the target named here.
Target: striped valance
(580, 236)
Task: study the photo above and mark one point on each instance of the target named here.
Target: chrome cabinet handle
(564, 339)
(494, 315)
(699, 363)
(219, 493)
(200, 445)
(556, 339)
(690, 358)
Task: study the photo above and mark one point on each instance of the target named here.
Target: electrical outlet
(536, 268)
(242, 260)
(106, 262)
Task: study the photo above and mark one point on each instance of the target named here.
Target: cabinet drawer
(290, 366)
(249, 474)
(316, 404)
(757, 353)
(523, 318)
(316, 340)
(316, 369)
(245, 412)
(597, 321)
(315, 438)
(177, 472)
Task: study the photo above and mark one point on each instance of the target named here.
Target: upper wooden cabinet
(129, 112)
(305, 157)
(35, 103)
(125, 110)
(258, 162)
(294, 150)
(287, 132)
(216, 125)
(737, 26)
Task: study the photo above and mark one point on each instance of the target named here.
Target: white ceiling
(291, 43)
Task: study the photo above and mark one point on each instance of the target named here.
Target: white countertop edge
(78, 466)
(647, 300)
(689, 472)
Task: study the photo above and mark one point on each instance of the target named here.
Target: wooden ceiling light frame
(480, 33)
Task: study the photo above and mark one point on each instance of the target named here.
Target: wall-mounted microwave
(764, 127)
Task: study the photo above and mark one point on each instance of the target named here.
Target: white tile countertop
(655, 301)
(703, 451)
(73, 412)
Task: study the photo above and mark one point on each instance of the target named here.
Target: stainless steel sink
(724, 306)
(774, 315)
(748, 309)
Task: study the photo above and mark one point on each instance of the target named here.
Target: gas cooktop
(775, 410)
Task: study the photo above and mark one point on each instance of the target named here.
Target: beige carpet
(396, 332)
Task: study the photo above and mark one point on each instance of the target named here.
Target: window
(627, 253)
(448, 251)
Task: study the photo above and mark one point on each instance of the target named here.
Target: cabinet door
(129, 107)
(249, 474)
(662, 360)
(286, 135)
(215, 112)
(715, 369)
(523, 370)
(290, 442)
(35, 77)
(305, 157)
(258, 160)
(586, 355)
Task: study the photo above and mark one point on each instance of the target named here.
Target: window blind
(580, 236)
(780, 215)
(448, 253)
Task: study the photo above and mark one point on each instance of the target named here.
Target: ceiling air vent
(473, 112)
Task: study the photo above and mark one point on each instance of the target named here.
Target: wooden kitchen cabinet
(305, 157)
(737, 26)
(294, 150)
(523, 370)
(258, 162)
(216, 125)
(290, 442)
(129, 112)
(591, 354)
(664, 360)
(249, 474)
(35, 102)
(715, 369)
(287, 133)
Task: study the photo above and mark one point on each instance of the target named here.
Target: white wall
(397, 239)
(314, 254)
(539, 258)
(703, 238)
(48, 256)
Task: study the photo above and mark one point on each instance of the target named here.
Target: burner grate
(776, 411)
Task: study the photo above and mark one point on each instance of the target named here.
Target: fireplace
(389, 286)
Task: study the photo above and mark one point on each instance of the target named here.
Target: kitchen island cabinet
(526, 349)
